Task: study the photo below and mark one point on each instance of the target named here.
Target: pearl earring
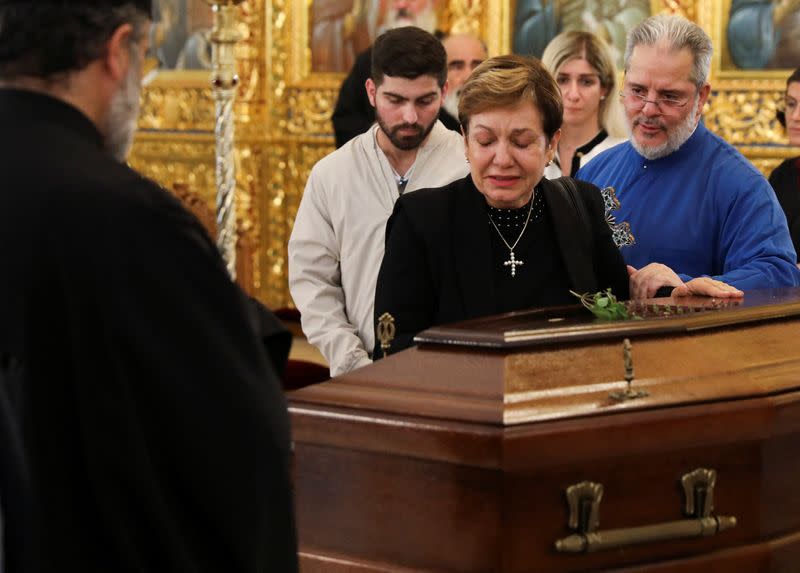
(602, 98)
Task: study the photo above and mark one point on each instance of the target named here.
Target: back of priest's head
(47, 39)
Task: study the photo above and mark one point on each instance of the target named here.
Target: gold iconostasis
(288, 91)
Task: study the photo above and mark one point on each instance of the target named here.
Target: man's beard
(450, 103)
(679, 135)
(124, 112)
(402, 17)
(405, 142)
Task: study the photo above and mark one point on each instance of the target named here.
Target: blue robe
(702, 210)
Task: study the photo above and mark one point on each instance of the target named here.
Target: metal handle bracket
(584, 516)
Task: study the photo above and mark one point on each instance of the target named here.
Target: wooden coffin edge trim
(773, 555)
(557, 442)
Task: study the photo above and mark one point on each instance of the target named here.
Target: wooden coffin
(456, 456)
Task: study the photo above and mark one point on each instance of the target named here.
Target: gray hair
(677, 33)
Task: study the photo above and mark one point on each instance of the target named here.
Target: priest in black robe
(145, 383)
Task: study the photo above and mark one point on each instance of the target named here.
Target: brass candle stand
(225, 81)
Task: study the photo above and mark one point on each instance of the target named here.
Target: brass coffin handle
(614, 538)
(584, 505)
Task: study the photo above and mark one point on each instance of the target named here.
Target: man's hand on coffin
(645, 282)
(706, 286)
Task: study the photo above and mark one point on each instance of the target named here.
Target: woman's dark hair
(408, 52)
(49, 38)
(781, 114)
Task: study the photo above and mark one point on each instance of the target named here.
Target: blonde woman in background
(584, 69)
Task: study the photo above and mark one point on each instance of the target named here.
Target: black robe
(438, 265)
(144, 381)
(16, 552)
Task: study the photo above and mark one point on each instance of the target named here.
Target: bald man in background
(465, 52)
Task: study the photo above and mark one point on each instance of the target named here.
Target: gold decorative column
(224, 82)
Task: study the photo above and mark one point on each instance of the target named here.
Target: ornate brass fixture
(386, 332)
(584, 517)
(629, 393)
(224, 82)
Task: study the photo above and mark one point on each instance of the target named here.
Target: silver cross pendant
(513, 263)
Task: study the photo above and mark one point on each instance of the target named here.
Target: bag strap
(570, 190)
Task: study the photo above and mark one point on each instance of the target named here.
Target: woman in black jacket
(503, 238)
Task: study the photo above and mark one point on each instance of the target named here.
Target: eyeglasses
(635, 98)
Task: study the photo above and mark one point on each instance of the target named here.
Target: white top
(553, 171)
(337, 242)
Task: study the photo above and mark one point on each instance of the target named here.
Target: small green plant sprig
(604, 305)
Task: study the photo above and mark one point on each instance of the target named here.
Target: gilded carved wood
(283, 111)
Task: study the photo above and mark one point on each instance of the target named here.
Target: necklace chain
(400, 180)
(502, 238)
(513, 262)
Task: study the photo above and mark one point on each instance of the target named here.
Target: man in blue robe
(696, 206)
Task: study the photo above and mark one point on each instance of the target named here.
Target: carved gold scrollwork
(311, 111)
(685, 8)
(465, 17)
(178, 105)
(745, 117)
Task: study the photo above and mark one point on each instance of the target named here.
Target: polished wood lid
(574, 323)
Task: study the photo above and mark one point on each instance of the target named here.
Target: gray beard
(680, 134)
(123, 114)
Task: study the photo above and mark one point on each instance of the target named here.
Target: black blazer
(785, 180)
(437, 265)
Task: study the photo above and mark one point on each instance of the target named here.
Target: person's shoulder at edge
(787, 164)
(786, 168)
